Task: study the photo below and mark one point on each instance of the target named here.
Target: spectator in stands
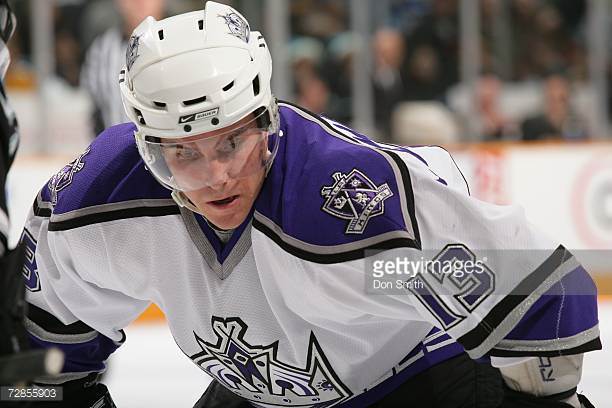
(559, 120)
(432, 58)
(543, 37)
(313, 94)
(339, 73)
(389, 50)
(106, 56)
(321, 19)
(494, 124)
(306, 56)
(423, 75)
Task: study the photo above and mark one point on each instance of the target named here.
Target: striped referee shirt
(99, 76)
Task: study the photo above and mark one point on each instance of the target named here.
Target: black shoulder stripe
(337, 257)
(409, 194)
(476, 336)
(125, 213)
(51, 324)
(592, 345)
(39, 211)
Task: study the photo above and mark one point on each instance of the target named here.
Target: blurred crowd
(533, 69)
(533, 63)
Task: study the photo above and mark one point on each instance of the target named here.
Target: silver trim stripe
(550, 345)
(62, 378)
(42, 203)
(517, 314)
(42, 334)
(205, 248)
(104, 208)
(329, 249)
(439, 345)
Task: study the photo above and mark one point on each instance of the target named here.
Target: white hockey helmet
(195, 74)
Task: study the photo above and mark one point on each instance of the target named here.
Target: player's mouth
(224, 203)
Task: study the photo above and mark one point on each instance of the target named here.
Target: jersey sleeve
(69, 307)
(478, 271)
(393, 232)
(490, 279)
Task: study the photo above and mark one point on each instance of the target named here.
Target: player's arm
(515, 293)
(68, 311)
(528, 296)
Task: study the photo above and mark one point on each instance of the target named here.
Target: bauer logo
(199, 116)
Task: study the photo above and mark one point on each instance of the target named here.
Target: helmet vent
(228, 86)
(194, 101)
(159, 104)
(139, 116)
(201, 25)
(256, 85)
(160, 33)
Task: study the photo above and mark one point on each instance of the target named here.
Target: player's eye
(184, 153)
(229, 144)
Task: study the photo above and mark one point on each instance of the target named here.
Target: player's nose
(218, 174)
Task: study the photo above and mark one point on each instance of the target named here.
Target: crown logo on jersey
(64, 177)
(255, 373)
(237, 25)
(132, 51)
(356, 198)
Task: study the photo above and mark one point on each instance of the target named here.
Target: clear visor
(212, 158)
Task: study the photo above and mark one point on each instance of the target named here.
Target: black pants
(456, 383)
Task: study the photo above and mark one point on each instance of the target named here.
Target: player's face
(230, 161)
(228, 204)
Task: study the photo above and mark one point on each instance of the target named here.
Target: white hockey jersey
(283, 314)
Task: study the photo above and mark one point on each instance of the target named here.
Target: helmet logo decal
(199, 116)
(237, 25)
(356, 198)
(132, 51)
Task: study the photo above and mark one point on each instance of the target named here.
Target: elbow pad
(550, 378)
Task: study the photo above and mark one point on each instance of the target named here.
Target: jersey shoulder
(109, 170)
(334, 192)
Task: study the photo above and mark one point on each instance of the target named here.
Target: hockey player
(255, 226)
